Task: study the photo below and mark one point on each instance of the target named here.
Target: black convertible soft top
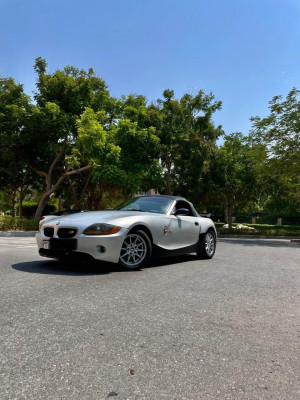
(164, 195)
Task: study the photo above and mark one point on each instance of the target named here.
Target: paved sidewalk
(18, 233)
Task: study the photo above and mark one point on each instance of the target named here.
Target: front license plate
(62, 244)
(46, 245)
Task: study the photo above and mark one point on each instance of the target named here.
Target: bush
(243, 219)
(29, 208)
(272, 230)
(266, 219)
(18, 224)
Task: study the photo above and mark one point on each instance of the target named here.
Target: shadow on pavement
(259, 242)
(159, 262)
(53, 267)
(77, 268)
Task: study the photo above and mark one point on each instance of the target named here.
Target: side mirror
(182, 211)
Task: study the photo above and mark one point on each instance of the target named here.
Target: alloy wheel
(133, 251)
(209, 244)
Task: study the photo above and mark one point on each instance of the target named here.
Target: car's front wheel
(207, 246)
(136, 250)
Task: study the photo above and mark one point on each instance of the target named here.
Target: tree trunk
(74, 195)
(90, 197)
(168, 176)
(84, 191)
(52, 189)
(14, 203)
(21, 203)
(59, 203)
(230, 211)
(226, 213)
(98, 200)
(44, 200)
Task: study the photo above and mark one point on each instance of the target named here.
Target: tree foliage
(236, 178)
(77, 142)
(187, 138)
(280, 133)
(15, 173)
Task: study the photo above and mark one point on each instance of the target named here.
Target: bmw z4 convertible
(131, 234)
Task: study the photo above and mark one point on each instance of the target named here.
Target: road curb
(228, 236)
(18, 233)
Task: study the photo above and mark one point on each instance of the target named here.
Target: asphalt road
(226, 328)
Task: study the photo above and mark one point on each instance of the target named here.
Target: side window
(184, 204)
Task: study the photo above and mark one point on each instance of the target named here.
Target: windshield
(159, 205)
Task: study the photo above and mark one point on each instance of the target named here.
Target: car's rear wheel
(207, 246)
(136, 250)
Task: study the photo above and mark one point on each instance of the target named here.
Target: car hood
(121, 218)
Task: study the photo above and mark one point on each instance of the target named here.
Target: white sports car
(131, 234)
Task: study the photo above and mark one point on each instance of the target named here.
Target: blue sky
(244, 51)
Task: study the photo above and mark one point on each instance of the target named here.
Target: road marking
(17, 243)
(16, 246)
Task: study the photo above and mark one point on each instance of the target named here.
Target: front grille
(48, 231)
(63, 244)
(66, 233)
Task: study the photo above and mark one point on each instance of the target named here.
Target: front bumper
(106, 248)
(60, 254)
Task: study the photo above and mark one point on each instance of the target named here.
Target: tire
(136, 250)
(207, 246)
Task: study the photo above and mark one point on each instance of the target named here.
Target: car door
(183, 230)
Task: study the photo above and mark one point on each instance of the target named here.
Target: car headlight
(101, 229)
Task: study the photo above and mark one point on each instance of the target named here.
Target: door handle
(196, 223)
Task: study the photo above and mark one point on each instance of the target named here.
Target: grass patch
(8, 223)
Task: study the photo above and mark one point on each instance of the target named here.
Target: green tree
(187, 138)
(139, 155)
(62, 98)
(235, 173)
(15, 174)
(123, 156)
(280, 133)
(96, 148)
